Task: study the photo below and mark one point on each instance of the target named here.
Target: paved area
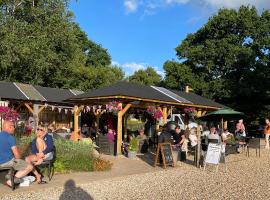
(246, 178)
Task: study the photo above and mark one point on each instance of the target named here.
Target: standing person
(213, 135)
(9, 154)
(240, 128)
(267, 132)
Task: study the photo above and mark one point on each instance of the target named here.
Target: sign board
(164, 155)
(213, 154)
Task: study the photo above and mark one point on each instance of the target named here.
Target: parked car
(61, 134)
(179, 120)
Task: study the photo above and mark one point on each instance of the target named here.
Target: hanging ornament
(59, 110)
(53, 108)
(66, 111)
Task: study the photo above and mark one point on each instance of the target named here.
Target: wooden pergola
(134, 95)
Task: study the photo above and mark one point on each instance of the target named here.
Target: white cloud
(176, 1)
(130, 67)
(150, 7)
(259, 4)
(131, 6)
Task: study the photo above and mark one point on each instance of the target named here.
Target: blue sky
(141, 33)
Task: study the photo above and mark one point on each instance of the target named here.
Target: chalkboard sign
(164, 151)
(213, 154)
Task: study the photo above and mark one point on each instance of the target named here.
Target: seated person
(73, 136)
(142, 139)
(9, 154)
(42, 149)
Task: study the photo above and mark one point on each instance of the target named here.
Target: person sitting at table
(42, 149)
(9, 154)
(224, 137)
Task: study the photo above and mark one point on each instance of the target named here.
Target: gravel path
(246, 178)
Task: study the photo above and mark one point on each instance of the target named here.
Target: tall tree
(40, 44)
(147, 77)
(231, 55)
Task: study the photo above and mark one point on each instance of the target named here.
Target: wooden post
(77, 111)
(35, 115)
(119, 127)
(198, 153)
(164, 115)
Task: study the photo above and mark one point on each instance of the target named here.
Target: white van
(179, 119)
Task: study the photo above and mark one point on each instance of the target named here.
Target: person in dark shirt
(42, 149)
(165, 136)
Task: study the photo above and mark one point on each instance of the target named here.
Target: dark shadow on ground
(71, 192)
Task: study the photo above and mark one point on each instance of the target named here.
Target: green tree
(146, 77)
(40, 44)
(230, 55)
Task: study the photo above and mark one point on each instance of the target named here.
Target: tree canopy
(41, 44)
(227, 60)
(147, 77)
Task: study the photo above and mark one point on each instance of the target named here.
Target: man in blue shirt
(9, 154)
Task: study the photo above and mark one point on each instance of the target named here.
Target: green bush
(133, 144)
(70, 156)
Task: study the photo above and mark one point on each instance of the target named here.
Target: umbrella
(222, 114)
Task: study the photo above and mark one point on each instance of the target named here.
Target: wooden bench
(11, 171)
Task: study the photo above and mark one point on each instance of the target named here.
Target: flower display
(9, 114)
(189, 110)
(155, 112)
(114, 106)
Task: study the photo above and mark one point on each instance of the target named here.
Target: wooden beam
(204, 112)
(29, 108)
(149, 100)
(41, 108)
(119, 128)
(21, 104)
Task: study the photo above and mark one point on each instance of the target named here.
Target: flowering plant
(9, 114)
(114, 106)
(155, 112)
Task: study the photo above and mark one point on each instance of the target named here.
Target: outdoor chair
(48, 165)
(11, 172)
(254, 143)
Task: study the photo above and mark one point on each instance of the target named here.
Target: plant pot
(132, 154)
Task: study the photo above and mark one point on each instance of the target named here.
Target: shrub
(101, 165)
(70, 156)
(133, 144)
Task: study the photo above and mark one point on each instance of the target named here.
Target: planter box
(132, 154)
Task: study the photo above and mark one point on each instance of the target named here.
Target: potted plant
(133, 148)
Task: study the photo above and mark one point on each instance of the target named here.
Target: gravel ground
(246, 178)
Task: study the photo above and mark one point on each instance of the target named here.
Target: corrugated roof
(30, 92)
(9, 90)
(197, 99)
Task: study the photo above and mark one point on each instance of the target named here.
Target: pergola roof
(134, 92)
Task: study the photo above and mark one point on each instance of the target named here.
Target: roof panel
(55, 95)
(127, 89)
(30, 92)
(9, 91)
